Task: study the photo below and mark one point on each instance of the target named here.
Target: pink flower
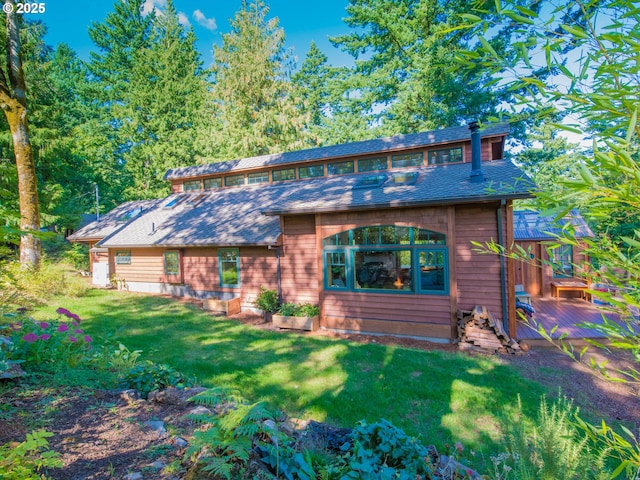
(72, 339)
(45, 336)
(68, 314)
(30, 337)
(74, 323)
(63, 327)
(43, 325)
(87, 339)
(78, 330)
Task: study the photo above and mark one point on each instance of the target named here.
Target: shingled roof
(112, 221)
(248, 215)
(366, 147)
(531, 225)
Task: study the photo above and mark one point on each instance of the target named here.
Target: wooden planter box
(222, 307)
(296, 323)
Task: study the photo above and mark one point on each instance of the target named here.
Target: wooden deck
(566, 313)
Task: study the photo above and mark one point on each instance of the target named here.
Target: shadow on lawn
(437, 396)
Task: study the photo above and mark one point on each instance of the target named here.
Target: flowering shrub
(49, 344)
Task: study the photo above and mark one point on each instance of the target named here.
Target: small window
(340, 168)
(229, 267)
(312, 171)
(371, 181)
(123, 257)
(260, 177)
(130, 215)
(336, 273)
(284, 174)
(562, 261)
(433, 270)
(171, 263)
(212, 183)
(234, 180)
(450, 155)
(175, 201)
(404, 178)
(372, 164)
(191, 185)
(408, 160)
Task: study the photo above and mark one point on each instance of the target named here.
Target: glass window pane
(260, 177)
(562, 261)
(171, 263)
(340, 168)
(284, 174)
(408, 160)
(450, 155)
(212, 183)
(191, 185)
(341, 238)
(234, 180)
(312, 171)
(336, 273)
(432, 270)
(372, 164)
(229, 267)
(382, 269)
(123, 258)
(427, 237)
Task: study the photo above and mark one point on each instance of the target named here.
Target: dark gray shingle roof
(248, 215)
(366, 147)
(530, 225)
(111, 221)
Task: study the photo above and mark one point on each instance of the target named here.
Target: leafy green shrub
(267, 300)
(24, 461)
(382, 451)
(299, 310)
(148, 376)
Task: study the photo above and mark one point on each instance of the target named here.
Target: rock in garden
(156, 425)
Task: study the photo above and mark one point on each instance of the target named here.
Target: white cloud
(183, 19)
(150, 5)
(208, 23)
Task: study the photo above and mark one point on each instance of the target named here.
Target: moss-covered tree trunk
(13, 101)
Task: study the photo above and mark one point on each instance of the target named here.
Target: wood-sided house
(377, 232)
(537, 234)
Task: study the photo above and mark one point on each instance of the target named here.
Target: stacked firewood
(479, 330)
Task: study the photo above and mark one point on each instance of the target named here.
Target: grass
(437, 396)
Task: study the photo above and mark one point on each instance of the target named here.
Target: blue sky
(302, 22)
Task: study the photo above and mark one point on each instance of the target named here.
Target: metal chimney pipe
(476, 158)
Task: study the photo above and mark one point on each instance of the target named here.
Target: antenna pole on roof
(97, 203)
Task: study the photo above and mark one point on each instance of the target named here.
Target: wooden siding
(399, 314)
(147, 265)
(299, 260)
(478, 276)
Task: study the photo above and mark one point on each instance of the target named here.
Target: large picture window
(229, 267)
(387, 258)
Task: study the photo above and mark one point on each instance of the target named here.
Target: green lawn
(437, 396)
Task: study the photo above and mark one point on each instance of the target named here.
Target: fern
(229, 438)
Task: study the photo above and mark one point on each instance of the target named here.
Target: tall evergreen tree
(333, 115)
(154, 92)
(403, 51)
(253, 102)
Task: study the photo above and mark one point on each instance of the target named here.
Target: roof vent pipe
(476, 159)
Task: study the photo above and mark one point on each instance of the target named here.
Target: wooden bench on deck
(570, 286)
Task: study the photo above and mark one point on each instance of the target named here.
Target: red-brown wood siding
(478, 275)
(404, 314)
(299, 262)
